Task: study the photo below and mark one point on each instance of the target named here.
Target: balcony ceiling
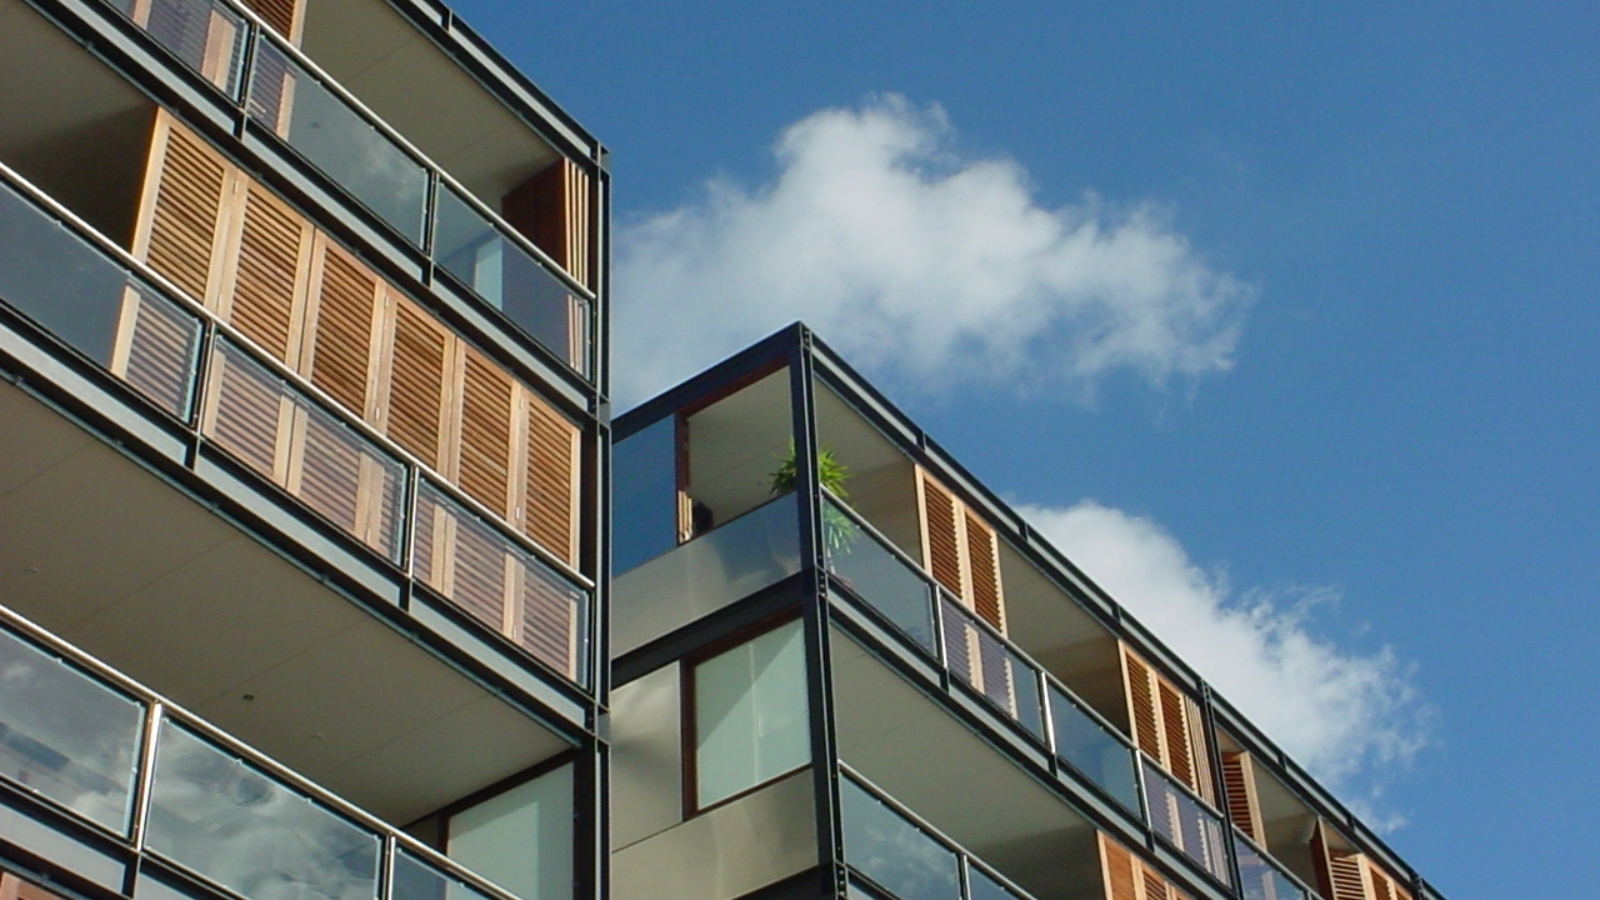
(119, 562)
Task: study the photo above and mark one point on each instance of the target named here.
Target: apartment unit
(303, 454)
(843, 668)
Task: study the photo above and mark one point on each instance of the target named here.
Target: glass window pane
(750, 714)
(521, 839)
(211, 812)
(881, 844)
(65, 736)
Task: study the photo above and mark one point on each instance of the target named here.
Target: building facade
(303, 454)
(843, 668)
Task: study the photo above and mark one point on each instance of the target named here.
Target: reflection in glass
(750, 714)
(474, 250)
(981, 887)
(644, 491)
(336, 139)
(1260, 878)
(877, 576)
(1184, 822)
(65, 736)
(881, 844)
(212, 813)
(205, 34)
(1093, 750)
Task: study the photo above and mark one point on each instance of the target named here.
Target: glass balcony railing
(129, 321)
(877, 574)
(71, 733)
(904, 859)
(286, 94)
(1260, 876)
(1184, 821)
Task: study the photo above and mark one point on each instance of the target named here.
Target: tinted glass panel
(750, 714)
(644, 484)
(65, 736)
(882, 845)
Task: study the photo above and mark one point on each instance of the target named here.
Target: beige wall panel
(734, 849)
(646, 757)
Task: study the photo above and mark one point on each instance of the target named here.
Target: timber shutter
(488, 444)
(1345, 874)
(549, 509)
(1126, 877)
(1239, 786)
(267, 274)
(183, 215)
(344, 325)
(422, 366)
(961, 551)
(287, 17)
(552, 209)
(1168, 726)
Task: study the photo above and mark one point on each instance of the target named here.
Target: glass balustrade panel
(982, 660)
(94, 304)
(894, 853)
(1184, 822)
(473, 249)
(206, 35)
(981, 887)
(66, 736)
(1093, 750)
(214, 814)
(323, 128)
(879, 578)
(415, 879)
(1261, 879)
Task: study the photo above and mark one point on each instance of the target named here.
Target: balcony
(538, 276)
(115, 314)
(81, 743)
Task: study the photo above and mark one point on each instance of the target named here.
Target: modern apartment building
(303, 447)
(844, 668)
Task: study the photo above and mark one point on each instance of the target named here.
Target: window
(750, 722)
(521, 839)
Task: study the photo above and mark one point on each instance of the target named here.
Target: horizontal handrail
(120, 682)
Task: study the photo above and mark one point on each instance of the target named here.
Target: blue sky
(1365, 377)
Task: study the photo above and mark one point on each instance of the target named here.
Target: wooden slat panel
(343, 328)
(548, 627)
(1118, 870)
(1200, 747)
(550, 478)
(1239, 786)
(1142, 706)
(155, 351)
(488, 402)
(1155, 887)
(283, 15)
(1348, 879)
(248, 416)
(267, 283)
(479, 583)
(1179, 758)
(552, 209)
(983, 563)
(420, 361)
(942, 545)
(182, 219)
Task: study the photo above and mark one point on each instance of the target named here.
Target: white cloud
(1352, 718)
(924, 265)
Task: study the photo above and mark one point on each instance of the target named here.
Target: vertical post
(386, 868)
(1214, 760)
(1047, 719)
(247, 80)
(814, 616)
(145, 779)
(205, 353)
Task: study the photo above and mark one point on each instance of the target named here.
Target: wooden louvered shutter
(421, 380)
(268, 270)
(1340, 873)
(486, 461)
(344, 325)
(155, 349)
(1119, 871)
(1200, 745)
(550, 470)
(184, 211)
(983, 567)
(1142, 717)
(1239, 786)
(287, 17)
(941, 549)
(1179, 758)
(552, 209)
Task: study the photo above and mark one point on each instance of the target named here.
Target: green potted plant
(839, 530)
